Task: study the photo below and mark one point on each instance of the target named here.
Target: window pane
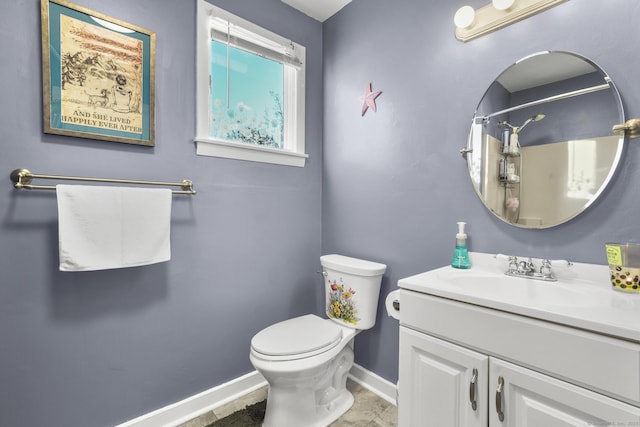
(246, 97)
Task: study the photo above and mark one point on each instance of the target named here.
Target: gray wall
(394, 184)
(79, 349)
(100, 348)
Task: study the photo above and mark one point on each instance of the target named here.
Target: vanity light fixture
(502, 4)
(499, 14)
(464, 17)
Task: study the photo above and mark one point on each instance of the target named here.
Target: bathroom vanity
(479, 348)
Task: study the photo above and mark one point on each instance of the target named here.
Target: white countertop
(582, 297)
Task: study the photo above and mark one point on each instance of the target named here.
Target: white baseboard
(198, 404)
(374, 383)
(201, 403)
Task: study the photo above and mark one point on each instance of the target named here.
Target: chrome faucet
(528, 270)
(526, 267)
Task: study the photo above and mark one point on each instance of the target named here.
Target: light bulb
(464, 17)
(503, 4)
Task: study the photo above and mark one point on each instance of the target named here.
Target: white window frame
(293, 153)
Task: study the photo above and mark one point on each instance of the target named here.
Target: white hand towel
(102, 227)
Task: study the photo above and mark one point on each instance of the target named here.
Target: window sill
(252, 153)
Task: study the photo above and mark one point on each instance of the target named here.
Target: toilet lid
(303, 334)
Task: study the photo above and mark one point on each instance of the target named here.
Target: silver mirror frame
(468, 151)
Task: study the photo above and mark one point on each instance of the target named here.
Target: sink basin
(520, 290)
(582, 297)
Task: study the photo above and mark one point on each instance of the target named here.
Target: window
(250, 91)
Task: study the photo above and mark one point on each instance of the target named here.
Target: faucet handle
(545, 268)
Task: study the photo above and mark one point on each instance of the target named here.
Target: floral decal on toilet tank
(341, 305)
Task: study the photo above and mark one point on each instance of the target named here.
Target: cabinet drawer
(605, 364)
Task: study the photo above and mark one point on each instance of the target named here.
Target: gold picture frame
(98, 75)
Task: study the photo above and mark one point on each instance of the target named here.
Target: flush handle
(499, 409)
(472, 389)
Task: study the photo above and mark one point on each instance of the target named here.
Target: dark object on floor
(250, 416)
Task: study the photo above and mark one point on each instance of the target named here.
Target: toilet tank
(352, 288)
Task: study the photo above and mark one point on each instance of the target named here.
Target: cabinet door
(530, 399)
(440, 384)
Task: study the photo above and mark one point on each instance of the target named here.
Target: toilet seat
(297, 338)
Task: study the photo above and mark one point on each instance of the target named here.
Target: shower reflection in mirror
(555, 169)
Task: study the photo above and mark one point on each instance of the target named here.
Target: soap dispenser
(461, 254)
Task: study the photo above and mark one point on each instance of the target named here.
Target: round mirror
(541, 147)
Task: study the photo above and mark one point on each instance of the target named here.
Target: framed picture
(98, 75)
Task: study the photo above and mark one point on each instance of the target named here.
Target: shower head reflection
(518, 129)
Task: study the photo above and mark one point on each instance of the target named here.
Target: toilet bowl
(306, 359)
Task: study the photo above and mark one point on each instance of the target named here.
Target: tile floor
(369, 410)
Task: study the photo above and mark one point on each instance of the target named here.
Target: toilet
(306, 359)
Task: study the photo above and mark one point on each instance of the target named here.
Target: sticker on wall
(341, 304)
(369, 100)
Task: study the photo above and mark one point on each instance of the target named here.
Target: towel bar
(22, 178)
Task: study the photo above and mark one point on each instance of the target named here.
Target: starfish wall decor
(369, 100)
